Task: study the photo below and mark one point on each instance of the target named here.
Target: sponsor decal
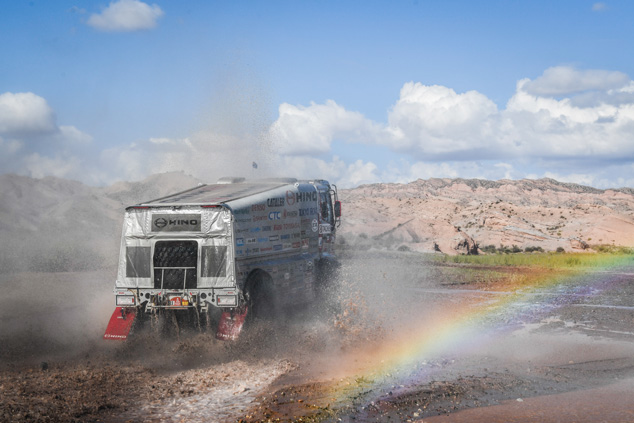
(303, 197)
(290, 197)
(275, 215)
(255, 250)
(277, 247)
(242, 230)
(176, 223)
(287, 245)
(273, 238)
(315, 225)
(275, 202)
(304, 243)
(257, 229)
(238, 252)
(243, 219)
(266, 249)
(291, 226)
(251, 240)
(297, 235)
(308, 211)
(290, 213)
(244, 210)
(277, 227)
(303, 233)
(259, 218)
(266, 229)
(265, 239)
(286, 236)
(239, 242)
(258, 207)
(296, 244)
(324, 229)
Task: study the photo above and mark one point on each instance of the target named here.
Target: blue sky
(351, 91)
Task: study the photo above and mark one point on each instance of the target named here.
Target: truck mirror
(337, 208)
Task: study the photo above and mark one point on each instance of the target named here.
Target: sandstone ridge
(457, 215)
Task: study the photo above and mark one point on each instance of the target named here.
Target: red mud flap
(120, 323)
(230, 325)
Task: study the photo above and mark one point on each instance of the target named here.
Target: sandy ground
(389, 342)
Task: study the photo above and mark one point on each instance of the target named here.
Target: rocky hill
(457, 215)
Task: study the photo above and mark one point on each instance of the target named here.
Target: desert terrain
(402, 334)
(456, 216)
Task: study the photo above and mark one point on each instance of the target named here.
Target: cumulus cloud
(126, 15)
(32, 142)
(311, 130)
(434, 123)
(437, 120)
(599, 7)
(25, 113)
(431, 130)
(565, 80)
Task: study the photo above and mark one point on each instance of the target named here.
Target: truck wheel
(259, 297)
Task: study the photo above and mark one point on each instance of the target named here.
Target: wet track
(391, 339)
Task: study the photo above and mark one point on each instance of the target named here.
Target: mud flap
(120, 323)
(231, 323)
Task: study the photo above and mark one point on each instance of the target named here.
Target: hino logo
(161, 223)
(176, 223)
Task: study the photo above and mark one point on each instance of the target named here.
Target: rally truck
(238, 249)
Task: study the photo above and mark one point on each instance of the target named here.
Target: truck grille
(175, 265)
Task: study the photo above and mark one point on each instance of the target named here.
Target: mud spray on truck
(217, 255)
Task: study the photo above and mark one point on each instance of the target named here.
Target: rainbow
(403, 361)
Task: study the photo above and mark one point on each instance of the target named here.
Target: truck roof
(219, 193)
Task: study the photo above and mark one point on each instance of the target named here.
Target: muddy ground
(396, 338)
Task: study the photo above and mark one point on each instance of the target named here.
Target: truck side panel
(277, 232)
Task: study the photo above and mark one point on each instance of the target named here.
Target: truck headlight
(125, 300)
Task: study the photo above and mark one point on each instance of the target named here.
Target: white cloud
(434, 123)
(33, 143)
(599, 7)
(25, 113)
(436, 131)
(126, 15)
(565, 80)
(311, 130)
(437, 120)
(70, 134)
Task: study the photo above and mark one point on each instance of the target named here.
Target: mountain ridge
(441, 214)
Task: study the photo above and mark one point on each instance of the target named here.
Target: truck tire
(259, 297)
